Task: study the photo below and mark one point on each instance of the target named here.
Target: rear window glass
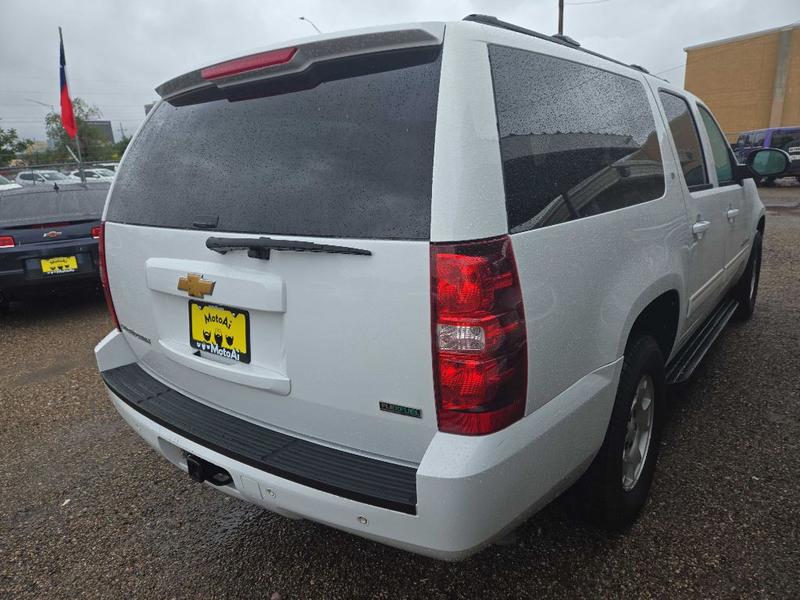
(575, 141)
(351, 157)
(35, 205)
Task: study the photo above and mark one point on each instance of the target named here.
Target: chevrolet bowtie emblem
(195, 285)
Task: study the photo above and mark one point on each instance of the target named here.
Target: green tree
(11, 145)
(93, 145)
(119, 148)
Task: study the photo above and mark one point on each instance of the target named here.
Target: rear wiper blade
(261, 247)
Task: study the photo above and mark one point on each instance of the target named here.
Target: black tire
(746, 289)
(603, 501)
(4, 304)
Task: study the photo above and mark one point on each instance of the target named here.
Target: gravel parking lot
(88, 510)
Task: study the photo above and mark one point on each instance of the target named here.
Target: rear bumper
(15, 285)
(469, 490)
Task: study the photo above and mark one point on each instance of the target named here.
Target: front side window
(687, 141)
(575, 141)
(757, 139)
(719, 148)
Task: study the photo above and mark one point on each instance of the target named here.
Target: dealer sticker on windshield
(220, 330)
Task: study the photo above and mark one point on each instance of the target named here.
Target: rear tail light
(480, 357)
(248, 63)
(104, 273)
(6, 241)
(96, 230)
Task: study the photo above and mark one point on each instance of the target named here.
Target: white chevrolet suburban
(413, 282)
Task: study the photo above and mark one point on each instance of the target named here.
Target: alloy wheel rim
(638, 432)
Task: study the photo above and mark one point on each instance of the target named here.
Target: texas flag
(67, 116)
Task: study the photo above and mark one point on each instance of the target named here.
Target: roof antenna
(560, 35)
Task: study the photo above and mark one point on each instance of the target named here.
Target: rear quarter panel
(584, 283)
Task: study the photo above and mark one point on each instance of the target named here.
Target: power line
(582, 3)
(670, 69)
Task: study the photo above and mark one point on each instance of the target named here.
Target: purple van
(785, 138)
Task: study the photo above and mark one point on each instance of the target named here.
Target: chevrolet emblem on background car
(195, 285)
(52, 234)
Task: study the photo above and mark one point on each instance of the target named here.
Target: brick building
(751, 81)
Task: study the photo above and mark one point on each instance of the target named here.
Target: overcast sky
(118, 51)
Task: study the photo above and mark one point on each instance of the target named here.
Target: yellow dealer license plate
(220, 330)
(59, 264)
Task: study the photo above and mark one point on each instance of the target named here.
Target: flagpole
(74, 120)
(80, 159)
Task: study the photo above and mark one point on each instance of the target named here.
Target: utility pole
(560, 17)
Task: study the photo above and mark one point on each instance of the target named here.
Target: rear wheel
(746, 289)
(615, 488)
(4, 303)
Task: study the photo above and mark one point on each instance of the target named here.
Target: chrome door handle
(732, 212)
(700, 227)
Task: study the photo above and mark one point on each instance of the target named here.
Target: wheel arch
(657, 312)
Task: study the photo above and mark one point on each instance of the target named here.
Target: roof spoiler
(296, 58)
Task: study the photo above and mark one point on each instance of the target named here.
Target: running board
(681, 367)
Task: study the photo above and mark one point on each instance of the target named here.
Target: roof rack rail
(558, 38)
(566, 38)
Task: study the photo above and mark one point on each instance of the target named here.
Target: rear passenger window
(719, 148)
(575, 141)
(687, 141)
